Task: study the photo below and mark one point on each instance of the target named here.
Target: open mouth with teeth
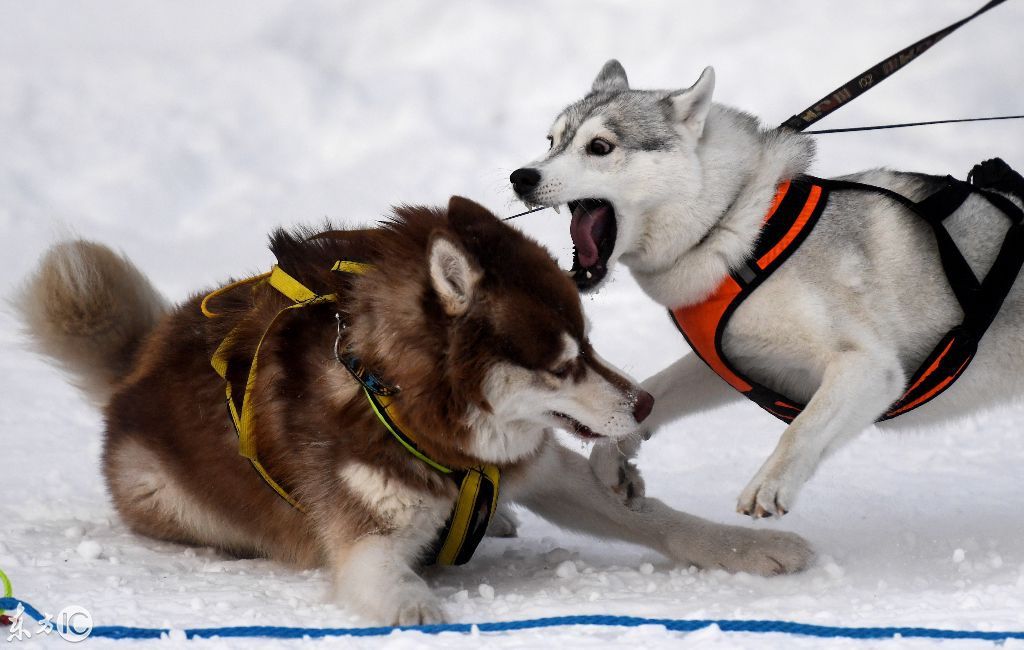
(576, 427)
(593, 232)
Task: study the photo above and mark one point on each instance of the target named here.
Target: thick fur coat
(676, 188)
(474, 322)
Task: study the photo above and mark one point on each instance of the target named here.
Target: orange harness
(797, 206)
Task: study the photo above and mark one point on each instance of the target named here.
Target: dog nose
(524, 180)
(643, 406)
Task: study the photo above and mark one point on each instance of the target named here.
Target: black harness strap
(979, 300)
(933, 210)
(791, 221)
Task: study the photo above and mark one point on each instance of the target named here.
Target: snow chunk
(175, 635)
(709, 633)
(958, 555)
(558, 555)
(566, 570)
(89, 549)
(486, 591)
(73, 532)
(834, 571)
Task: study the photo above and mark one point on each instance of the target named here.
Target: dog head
(617, 157)
(485, 336)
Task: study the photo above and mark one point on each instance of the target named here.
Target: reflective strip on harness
(790, 219)
(798, 227)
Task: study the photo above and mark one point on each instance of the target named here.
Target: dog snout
(643, 406)
(524, 180)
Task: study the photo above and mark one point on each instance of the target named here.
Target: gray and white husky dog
(676, 187)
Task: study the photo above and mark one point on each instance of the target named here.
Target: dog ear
(463, 212)
(690, 107)
(453, 274)
(612, 77)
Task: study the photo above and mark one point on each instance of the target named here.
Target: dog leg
(560, 487)
(857, 387)
(374, 575)
(504, 523)
(685, 387)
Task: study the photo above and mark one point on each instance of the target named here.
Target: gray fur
(841, 325)
(611, 77)
(639, 118)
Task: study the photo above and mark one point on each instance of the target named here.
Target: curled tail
(88, 309)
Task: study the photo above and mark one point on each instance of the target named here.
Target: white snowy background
(182, 132)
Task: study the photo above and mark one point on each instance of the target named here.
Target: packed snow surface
(182, 132)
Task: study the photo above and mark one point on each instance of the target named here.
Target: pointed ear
(690, 107)
(464, 211)
(612, 77)
(452, 274)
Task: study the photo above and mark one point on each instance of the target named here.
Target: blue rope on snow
(674, 625)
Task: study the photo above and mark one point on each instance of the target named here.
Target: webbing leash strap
(478, 486)
(242, 413)
(876, 74)
(478, 492)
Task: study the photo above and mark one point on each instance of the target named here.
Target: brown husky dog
(475, 325)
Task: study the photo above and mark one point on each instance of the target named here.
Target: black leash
(875, 75)
(864, 82)
(543, 207)
(906, 124)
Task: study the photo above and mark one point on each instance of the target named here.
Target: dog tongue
(586, 229)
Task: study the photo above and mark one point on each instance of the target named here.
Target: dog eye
(599, 147)
(551, 142)
(562, 371)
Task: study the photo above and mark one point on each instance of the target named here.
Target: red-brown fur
(476, 324)
(173, 403)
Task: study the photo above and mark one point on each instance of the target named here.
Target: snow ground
(183, 132)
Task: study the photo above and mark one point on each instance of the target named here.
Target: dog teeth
(589, 275)
(557, 209)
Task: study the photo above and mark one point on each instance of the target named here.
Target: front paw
(417, 610)
(773, 490)
(735, 549)
(615, 468)
(406, 601)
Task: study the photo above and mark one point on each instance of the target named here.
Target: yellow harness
(478, 486)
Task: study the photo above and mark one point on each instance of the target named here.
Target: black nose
(644, 404)
(524, 180)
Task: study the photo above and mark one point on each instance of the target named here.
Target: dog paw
(389, 599)
(772, 492)
(616, 470)
(504, 523)
(416, 609)
(742, 550)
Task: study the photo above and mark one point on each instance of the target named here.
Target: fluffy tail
(88, 309)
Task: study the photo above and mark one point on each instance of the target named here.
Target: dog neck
(714, 231)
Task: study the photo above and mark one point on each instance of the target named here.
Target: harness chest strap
(794, 212)
(478, 486)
